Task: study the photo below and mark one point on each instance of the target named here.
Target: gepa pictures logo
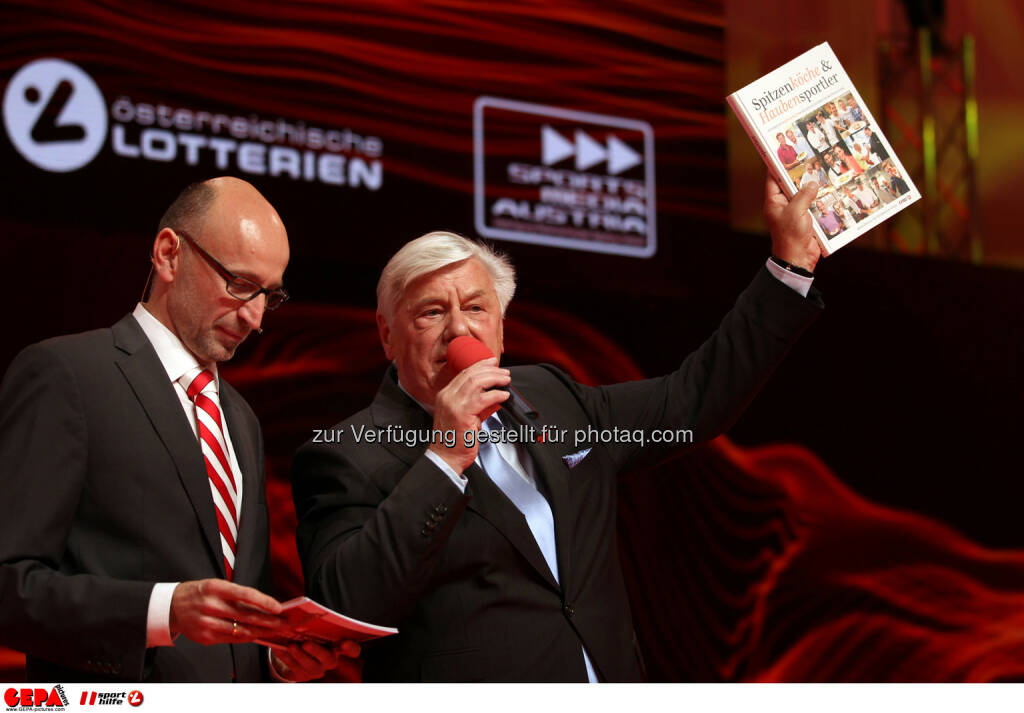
(20, 699)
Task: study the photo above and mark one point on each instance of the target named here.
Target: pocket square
(573, 459)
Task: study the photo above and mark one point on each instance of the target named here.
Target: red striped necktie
(202, 390)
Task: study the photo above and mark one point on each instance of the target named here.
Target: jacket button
(570, 610)
(425, 532)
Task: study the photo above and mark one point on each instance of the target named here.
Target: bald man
(134, 543)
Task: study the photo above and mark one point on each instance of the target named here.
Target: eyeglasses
(241, 288)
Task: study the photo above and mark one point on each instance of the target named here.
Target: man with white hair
(498, 561)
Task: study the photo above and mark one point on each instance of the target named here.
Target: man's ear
(166, 255)
(385, 335)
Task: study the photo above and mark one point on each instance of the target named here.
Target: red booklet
(310, 621)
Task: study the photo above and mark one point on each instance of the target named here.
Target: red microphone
(465, 351)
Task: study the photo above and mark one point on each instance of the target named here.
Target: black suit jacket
(877, 148)
(106, 494)
(385, 536)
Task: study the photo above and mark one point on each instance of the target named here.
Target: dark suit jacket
(386, 537)
(877, 148)
(106, 493)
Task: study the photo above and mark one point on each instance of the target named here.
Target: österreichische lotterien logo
(55, 115)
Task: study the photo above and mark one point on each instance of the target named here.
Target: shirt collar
(428, 409)
(175, 358)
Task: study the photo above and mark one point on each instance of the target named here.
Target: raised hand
(790, 224)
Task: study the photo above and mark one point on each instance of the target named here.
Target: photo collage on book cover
(836, 147)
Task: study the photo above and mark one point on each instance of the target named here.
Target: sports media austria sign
(566, 178)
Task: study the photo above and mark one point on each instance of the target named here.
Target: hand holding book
(309, 660)
(312, 639)
(789, 223)
(306, 620)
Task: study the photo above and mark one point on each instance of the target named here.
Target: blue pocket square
(573, 459)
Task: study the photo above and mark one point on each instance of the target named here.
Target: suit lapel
(494, 506)
(393, 406)
(148, 380)
(549, 467)
(246, 453)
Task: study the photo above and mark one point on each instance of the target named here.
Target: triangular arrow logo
(620, 156)
(588, 151)
(554, 146)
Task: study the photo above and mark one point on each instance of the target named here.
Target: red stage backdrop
(861, 523)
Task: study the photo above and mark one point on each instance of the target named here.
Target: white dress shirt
(177, 361)
(830, 131)
(817, 138)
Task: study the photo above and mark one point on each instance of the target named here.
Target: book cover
(810, 124)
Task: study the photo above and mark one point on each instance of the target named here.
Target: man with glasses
(135, 542)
